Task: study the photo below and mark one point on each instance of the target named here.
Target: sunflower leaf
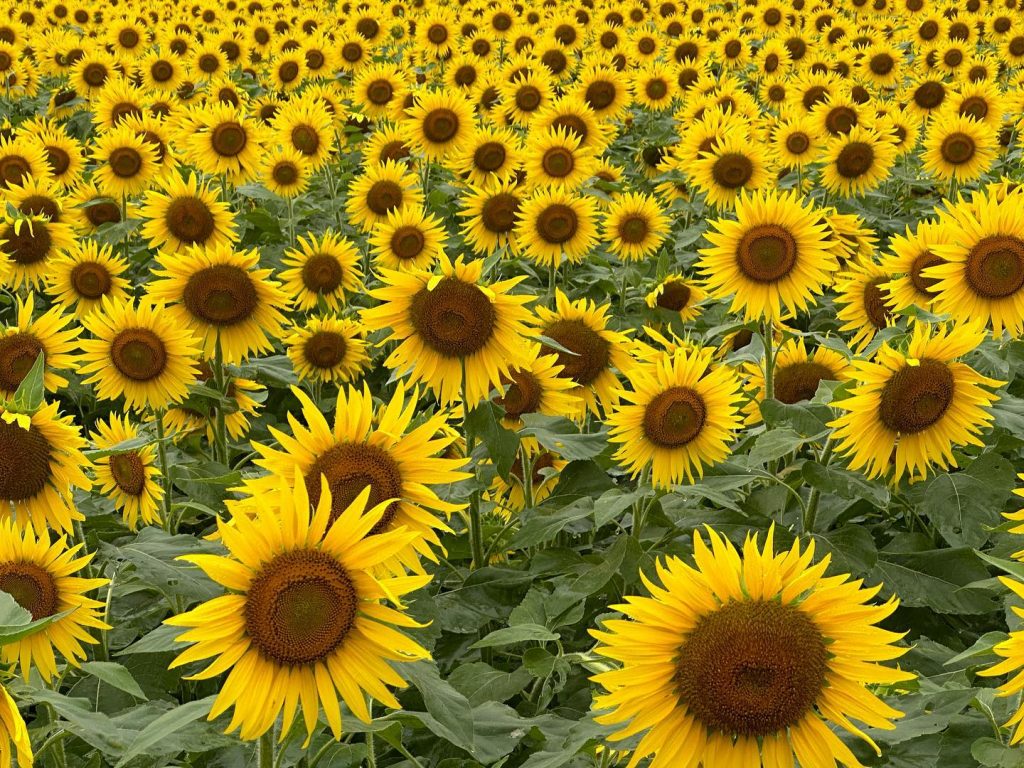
(16, 622)
(29, 396)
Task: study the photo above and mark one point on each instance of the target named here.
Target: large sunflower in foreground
(224, 297)
(130, 478)
(184, 213)
(775, 256)
(680, 417)
(451, 323)
(589, 352)
(909, 409)
(366, 449)
(140, 353)
(39, 466)
(742, 662)
(40, 575)
(305, 613)
(982, 277)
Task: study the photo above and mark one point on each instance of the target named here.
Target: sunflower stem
(291, 221)
(165, 470)
(767, 337)
(476, 534)
(220, 435)
(333, 192)
(812, 501)
(266, 750)
(526, 464)
(60, 757)
(124, 217)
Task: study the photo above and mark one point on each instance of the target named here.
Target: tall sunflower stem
(165, 469)
(476, 533)
(266, 750)
(811, 512)
(220, 379)
(291, 221)
(767, 337)
(371, 752)
(526, 465)
(124, 217)
(334, 193)
(60, 757)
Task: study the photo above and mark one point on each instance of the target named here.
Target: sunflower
(654, 87)
(305, 125)
(304, 613)
(835, 116)
(910, 255)
(141, 353)
(92, 71)
(21, 345)
(20, 159)
(83, 275)
(325, 268)
(224, 297)
(117, 100)
(225, 140)
(39, 574)
(511, 496)
(634, 227)
(63, 154)
(362, 451)
(857, 161)
(494, 155)
(863, 302)
(958, 147)
(796, 375)
(411, 239)
(589, 352)
(379, 90)
(604, 90)
(379, 190)
(285, 172)
(130, 478)
(730, 168)
(15, 743)
(441, 123)
(434, 34)
(679, 294)
(89, 209)
(796, 142)
(882, 64)
(454, 331)
(185, 213)
(126, 163)
(161, 72)
(327, 349)
(679, 417)
(555, 159)
(31, 243)
(982, 274)
(910, 408)
(536, 385)
(774, 257)
(742, 661)
(981, 101)
(490, 213)
(526, 95)
(554, 222)
(926, 95)
(386, 144)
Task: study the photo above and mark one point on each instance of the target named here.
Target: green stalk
(476, 534)
(812, 502)
(220, 434)
(767, 337)
(266, 749)
(165, 469)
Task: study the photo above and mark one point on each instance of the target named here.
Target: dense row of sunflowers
(451, 230)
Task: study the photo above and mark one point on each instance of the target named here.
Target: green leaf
(520, 633)
(774, 444)
(159, 640)
(562, 436)
(941, 579)
(541, 525)
(16, 622)
(843, 482)
(114, 674)
(29, 396)
(807, 419)
(449, 709)
(480, 682)
(165, 725)
(502, 444)
(124, 446)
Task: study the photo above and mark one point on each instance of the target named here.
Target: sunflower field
(512, 384)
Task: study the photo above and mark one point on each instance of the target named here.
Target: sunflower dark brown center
(558, 162)
(674, 296)
(32, 587)
(499, 212)
(634, 228)
(351, 52)
(732, 170)
(228, 139)
(490, 156)
(30, 245)
(916, 396)
(380, 92)
(325, 349)
(104, 212)
(139, 354)
(557, 224)
(125, 162)
(733, 49)
(656, 89)
(94, 74)
(190, 220)
(129, 472)
(523, 394)
(14, 169)
(300, 607)
(840, 120)
(455, 319)
(384, 197)
(855, 159)
(674, 417)
(527, 98)
(40, 205)
(437, 34)
(58, 160)
(798, 143)
(24, 462)
(881, 63)
(929, 95)
(600, 94)
(799, 381)
(974, 107)
(924, 261)
(407, 242)
(875, 298)
(288, 71)
(161, 71)
(221, 295)
(957, 148)
(351, 467)
(752, 668)
(305, 139)
(18, 353)
(589, 353)
(322, 273)
(440, 125)
(766, 253)
(995, 266)
(90, 280)
(285, 173)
